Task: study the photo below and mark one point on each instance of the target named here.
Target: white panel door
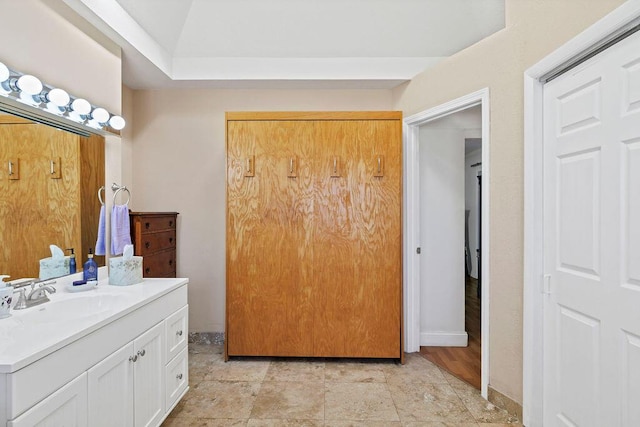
(149, 370)
(111, 390)
(592, 241)
(65, 407)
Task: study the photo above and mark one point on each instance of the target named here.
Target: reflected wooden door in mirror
(53, 201)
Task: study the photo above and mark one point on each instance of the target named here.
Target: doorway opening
(443, 307)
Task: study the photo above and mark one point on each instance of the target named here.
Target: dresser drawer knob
(170, 239)
(179, 333)
(147, 225)
(147, 270)
(170, 262)
(179, 376)
(147, 244)
(170, 223)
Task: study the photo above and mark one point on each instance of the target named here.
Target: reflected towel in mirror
(100, 244)
(120, 231)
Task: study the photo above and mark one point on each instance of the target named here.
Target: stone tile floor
(272, 392)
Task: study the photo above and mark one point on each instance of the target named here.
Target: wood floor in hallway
(463, 362)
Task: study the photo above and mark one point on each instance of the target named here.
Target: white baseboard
(444, 339)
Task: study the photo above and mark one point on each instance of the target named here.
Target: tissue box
(124, 272)
(53, 267)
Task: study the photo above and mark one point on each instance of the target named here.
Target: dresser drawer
(161, 264)
(154, 242)
(177, 327)
(154, 237)
(150, 224)
(177, 378)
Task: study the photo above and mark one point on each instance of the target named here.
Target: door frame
(411, 231)
(533, 304)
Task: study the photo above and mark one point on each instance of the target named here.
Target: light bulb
(100, 115)
(117, 122)
(4, 73)
(29, 84)
(76, 117)
(93, 124)
(53, 109)
(29, 99)
(58, 97)
(81, 106)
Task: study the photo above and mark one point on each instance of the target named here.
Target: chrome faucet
(36, 296)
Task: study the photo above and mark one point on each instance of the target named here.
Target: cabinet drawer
(177, 378)
(177, 327)
(154, 242)
(157, 223)
(65, 407)
(159, 265)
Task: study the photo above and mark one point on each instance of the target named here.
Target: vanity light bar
(30, 90)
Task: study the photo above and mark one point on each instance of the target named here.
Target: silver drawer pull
(179, 333)
(142, 352)
(133, 358)
(179, 376)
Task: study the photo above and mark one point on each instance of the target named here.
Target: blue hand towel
(120, 234)
(100, 245)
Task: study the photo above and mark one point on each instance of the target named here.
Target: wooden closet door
(357, 243)
(269, 238)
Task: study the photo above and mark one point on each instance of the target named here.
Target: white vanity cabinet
(128, 370)
(126, 389)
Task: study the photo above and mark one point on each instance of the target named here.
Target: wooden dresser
(153, 235)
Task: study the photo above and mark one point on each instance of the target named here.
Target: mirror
(49, 181)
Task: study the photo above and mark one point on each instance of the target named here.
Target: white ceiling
(287, 43)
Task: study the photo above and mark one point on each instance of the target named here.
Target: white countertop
(35, 332)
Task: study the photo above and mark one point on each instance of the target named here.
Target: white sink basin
(78, 308)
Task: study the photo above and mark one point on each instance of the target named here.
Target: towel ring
(119, 190)
(101, 189)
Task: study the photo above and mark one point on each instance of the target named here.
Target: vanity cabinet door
(65, 407)
(111, 390)
(149, 383)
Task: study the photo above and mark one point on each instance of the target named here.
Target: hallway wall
(442, 194)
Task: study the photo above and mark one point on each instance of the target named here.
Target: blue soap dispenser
(90, 271)
(72, 261)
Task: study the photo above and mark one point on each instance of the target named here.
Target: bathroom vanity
(110, 356)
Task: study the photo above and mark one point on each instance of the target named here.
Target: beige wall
(534, 29)
(179, 165)
(126, 140)
(37, 39)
